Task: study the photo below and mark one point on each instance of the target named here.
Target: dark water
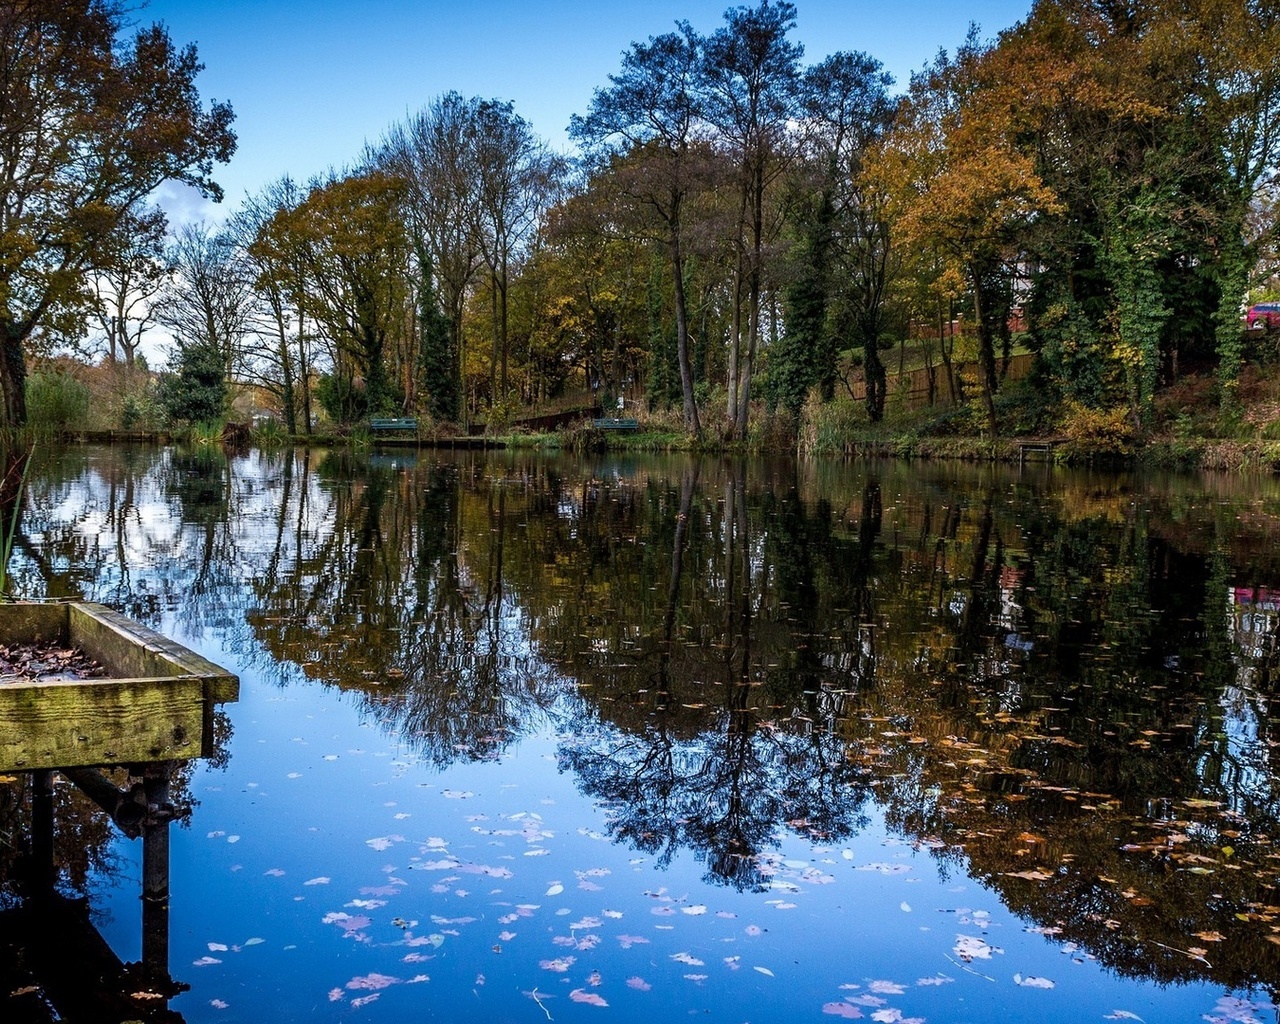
(526, 739)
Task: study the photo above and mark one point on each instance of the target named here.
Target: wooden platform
(154, 704)
(1044, 445)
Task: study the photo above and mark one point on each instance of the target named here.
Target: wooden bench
(388, 426)
(616, 424)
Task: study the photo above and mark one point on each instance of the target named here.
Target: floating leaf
(372, 981)
(846, 1010)
(579, 995)
(764, 971)
(886, 988)
(969, 948)
(1032, 982)
(639, 984)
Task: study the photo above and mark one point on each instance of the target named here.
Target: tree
(433, 157)
(87, 132)
(515, 172)
(750, 74)
(841, 266)
(355, 252)
(208, 298)
(281, 361)
(644, 131)
(962, 185)
(126, 288)
(197, 391)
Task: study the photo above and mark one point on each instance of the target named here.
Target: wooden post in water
(155, 869)
(43, 869)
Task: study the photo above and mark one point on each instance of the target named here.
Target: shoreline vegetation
(1189, 434)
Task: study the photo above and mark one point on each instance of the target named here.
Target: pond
(526, 738)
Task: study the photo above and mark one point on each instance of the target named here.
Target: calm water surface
(526, 739)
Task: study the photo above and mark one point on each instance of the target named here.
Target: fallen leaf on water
(373, 981)
(886, 988)
(1032, 982)
(686, 958)
(1121, 1015)
(846, 1010)
(579, 995)
(969, 948)
(639, 984)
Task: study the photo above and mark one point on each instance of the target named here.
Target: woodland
(1053, 232)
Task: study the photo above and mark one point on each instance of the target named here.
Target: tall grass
(12, 489)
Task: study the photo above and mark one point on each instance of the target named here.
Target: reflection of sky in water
(334, 870)
(322, 818)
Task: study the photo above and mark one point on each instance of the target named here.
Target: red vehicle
(1265, 316)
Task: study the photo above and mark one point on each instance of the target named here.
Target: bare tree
(433, 155)
(125, 291)
(208, 300)
(277, 347)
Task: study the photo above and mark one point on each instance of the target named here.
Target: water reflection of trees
(1066, 688)
(708, 717)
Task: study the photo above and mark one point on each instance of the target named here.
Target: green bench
(616, 424)
(388, 426)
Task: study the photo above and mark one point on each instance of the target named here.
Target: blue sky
(311, 82)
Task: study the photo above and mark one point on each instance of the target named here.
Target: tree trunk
(691, 423)
(986, 352)
(13, 379)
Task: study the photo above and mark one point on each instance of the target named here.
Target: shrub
(1098, 433)
(826, 427)
(57, 401)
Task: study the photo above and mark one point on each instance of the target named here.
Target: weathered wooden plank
(128, 649)
(79, 723)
